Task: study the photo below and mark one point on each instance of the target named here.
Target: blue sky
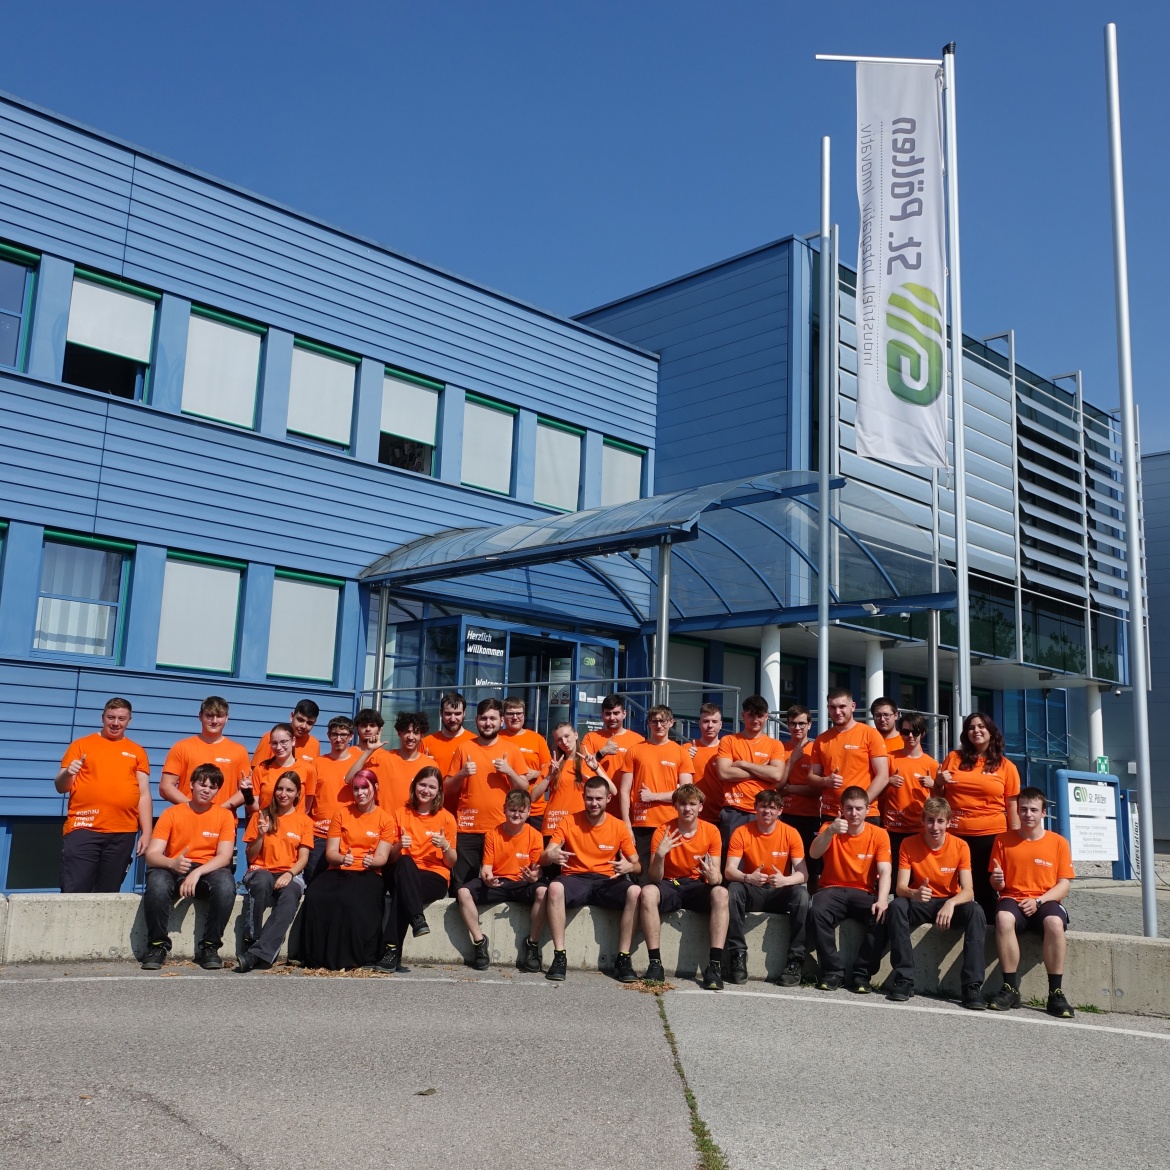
(571, 153)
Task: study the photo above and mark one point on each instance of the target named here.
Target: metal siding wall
(1155, 486)
(723, 384)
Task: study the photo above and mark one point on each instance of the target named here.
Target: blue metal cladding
(723, 337)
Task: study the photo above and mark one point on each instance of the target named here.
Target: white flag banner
(901, 266)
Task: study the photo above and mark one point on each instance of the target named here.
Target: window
(558, 465)
(16, 281)
(410, 422)
(487, 444)
(110, 334)
(740, 669)
(223, 367)
(302, 635)
(81, 594)
(320, 394)
(200, 608)
(34, 854)
(621, 472)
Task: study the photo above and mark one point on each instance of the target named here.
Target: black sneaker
(558, 967)
(391, 960)
(245, 963)
(1058, 1006)
(418, 925)
(737, 973)
(156, 956)
(623, 970)
(901, 990)
(790, 976)
(655, 972)
(713, 976)
(859, 984)
(530, 959)
(208, 958)
(1006, 998)
(829, 983)
(973, 997)
(480, 959)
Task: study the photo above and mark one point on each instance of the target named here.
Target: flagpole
(1138, 669)
(962, 704)
(824, 444)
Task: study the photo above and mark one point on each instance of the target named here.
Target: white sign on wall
(1092, 818)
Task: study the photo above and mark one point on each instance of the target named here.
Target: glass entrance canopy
(743, 553)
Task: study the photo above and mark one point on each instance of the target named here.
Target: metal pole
(936, 740)
(962, 705)
(380, 649)
(662, 630)
(1139, 676)
(825, 445)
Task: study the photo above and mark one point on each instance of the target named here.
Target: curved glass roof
(743, 553)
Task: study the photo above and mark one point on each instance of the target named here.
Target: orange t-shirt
(360, 833)
(683, 860)
(536, 756)
(442, 750)
(279, 850)
(594, 847)
(661, 767)
(104, 796)
(421, 828)
(181, 827)
(1031, 868)
(229, 757)
(978, 799)
(849, 753)
(939, 868)
(772, 852)
(395, 776)
(741, 794)
(902, 807)
(796, 805)
(612, 765)
(509, 855)
(703, 770)
(481, 799)
(852, 861)
(305, 747)
(333, 793)
(566, 795)
(894, 744)
(265, 776)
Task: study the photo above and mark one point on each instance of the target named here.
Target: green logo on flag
(914, 361)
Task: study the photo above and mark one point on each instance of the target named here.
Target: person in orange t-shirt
(342, 918)
(597, 856)
(847, 755)
(333, 792)
(981, 785)
(884, 713)
(440, 745)
(766, 873)
(684, 875)
(278, 840)
(107, 777)
(801, 806)
(703, 751)
(855, 883)
(747, 762)
(258, 789)
(652, 772)
(536, 753)
(302, 720)
(912, 779)
(483, 771)
(564, 785)
(210, 746)
(611, 742)
(510, 873)
(423, 854)
(190, 856)
(934, 885)
(1032, 871)
(394, 769)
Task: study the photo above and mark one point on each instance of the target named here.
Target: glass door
(539, 670)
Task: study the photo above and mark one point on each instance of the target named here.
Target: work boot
(713, 976)
(738, 971)
(790, 976)
(530, 959)
(418, 924)
(655, 972)
(973, 997)
(902, 989)
(1006, 998)
(391, 960)
(558, 967)
(480, 959)
(1058, 1006)
(156, 956)
(207, 956)
(623, 969)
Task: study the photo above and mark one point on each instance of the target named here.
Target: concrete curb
(1109, 971)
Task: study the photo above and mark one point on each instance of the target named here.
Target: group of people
(348, 847)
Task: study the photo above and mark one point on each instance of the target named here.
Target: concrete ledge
(1111, 972)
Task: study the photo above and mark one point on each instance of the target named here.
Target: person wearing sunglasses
(912, 777)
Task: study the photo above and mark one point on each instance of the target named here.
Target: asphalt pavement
(106, 1066)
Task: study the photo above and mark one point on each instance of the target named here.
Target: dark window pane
(9, 339)
(35, 860)
(100, 371)
(405, 453)
(12, 282)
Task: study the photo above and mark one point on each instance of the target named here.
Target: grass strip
(711, 1157)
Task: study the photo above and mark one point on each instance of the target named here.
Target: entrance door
(539, 670)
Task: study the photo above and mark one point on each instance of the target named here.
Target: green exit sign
(1103, 764)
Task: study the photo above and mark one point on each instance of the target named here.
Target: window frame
(553, 424)
(216, 563)
(393, 372)
(229, 319)
(127, 549)
(307, 578)
(486, 403)
(341, 355)
(31, 262)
